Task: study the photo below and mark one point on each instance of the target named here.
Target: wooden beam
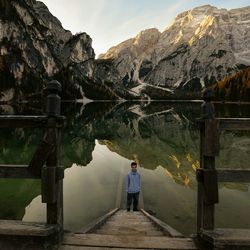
(16, 172)
(54, 209)
(234, 123)
(166, 229)
(208, 209)
(20, 228)
(40, 156)
(233, 175)
(226, 237)
(128, 241)
(18, 121)
(98, 223)
(211, 147)
(230, 123)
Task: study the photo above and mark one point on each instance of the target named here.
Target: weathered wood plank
(234, 123)
(231, 123)
(16, 171)
(226, 237)
(68, 247)
(130, 231)
(128, 241)
(208, 208)
(55, 200)
(20, 228)
(99, 222)
(233, 175)
(40, 156)
(210, 182)
(200, 189)
(121, 220)
(15, 121)
(211, 147)
(131, 223)
(166, 229)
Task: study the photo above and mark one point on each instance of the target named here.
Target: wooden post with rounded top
(207, 175)
(52, 180)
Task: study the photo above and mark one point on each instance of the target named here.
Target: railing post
(52, 183)
(207, 175)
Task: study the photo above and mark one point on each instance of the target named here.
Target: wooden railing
(207, 175)
(45, 161)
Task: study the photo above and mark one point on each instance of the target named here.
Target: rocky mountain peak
(143, 41)
(34, 48)
(201, 46)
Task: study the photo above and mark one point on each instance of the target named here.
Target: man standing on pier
(133, 187)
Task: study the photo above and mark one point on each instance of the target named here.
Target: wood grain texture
(227, 236)
(166, 229)
(20, 228)
(234, 123)
(233, 175)
(129, 223)
(99, 222)
(15, 121)
(16, 172)
(129, 241)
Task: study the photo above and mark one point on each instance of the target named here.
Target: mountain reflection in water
(99, 142)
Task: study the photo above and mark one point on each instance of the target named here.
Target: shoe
(135, 209)
(128, 209)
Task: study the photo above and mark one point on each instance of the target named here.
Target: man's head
(133, 166)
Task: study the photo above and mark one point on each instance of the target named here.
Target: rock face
(35, 48)
(201, 47)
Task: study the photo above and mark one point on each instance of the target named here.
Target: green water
(98, 144)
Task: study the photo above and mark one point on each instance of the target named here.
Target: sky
(109, 22)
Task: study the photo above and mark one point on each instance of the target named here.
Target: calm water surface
(98, 144)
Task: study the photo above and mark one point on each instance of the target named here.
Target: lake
(99, 143)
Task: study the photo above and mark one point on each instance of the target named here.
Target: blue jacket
(133, 182)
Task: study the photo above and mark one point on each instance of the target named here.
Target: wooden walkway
(127, 230)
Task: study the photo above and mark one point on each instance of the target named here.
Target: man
(133, 187)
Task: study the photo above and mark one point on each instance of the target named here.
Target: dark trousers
(132, 197)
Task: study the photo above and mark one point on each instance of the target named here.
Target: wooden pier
(208, 178)
(44, 165)
(120, 229)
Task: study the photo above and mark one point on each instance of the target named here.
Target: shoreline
(123, 101)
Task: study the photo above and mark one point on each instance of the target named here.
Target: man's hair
(133, 163)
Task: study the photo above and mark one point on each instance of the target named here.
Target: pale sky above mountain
(110, 22)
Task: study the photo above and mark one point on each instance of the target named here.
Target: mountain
(34, 48)
(234, 88)
(202, 46)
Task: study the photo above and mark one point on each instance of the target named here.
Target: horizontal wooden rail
(16, 171)
(233, 175)
(24, 172)
(15, 121)
(234, 123)
(166, 229)
(98, 222)
(19, 228)
(231, 123)
(226, 175)
(227, 238)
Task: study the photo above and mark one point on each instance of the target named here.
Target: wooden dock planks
(20, 228)
(127, 230)
(129, 223)
(225, 237)
(129, 241)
